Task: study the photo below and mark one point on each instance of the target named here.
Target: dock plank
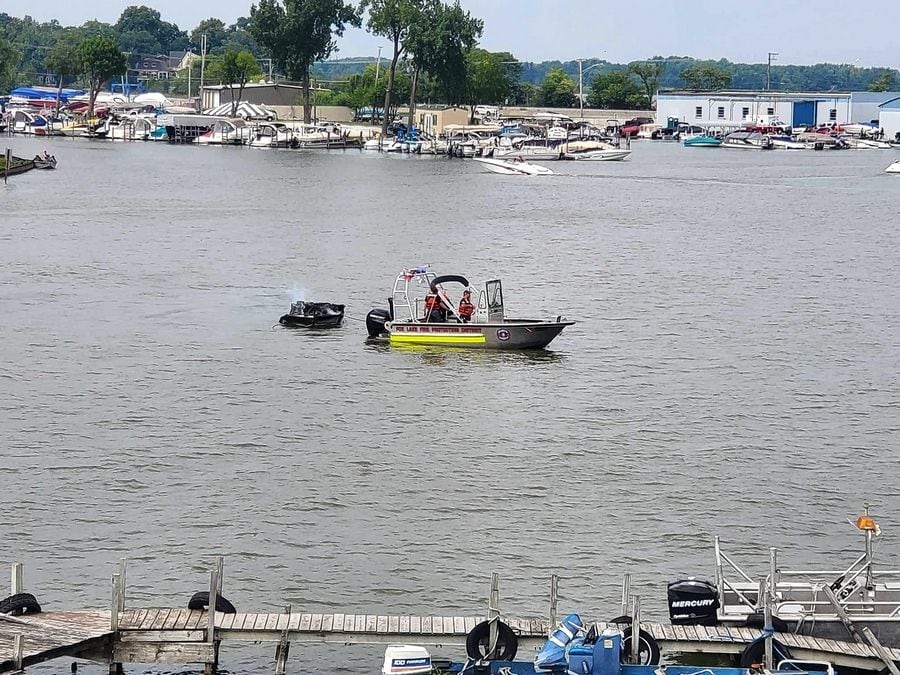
(381, 624)
(437, 625)
(393, 624)
(360, 623)
(271, 621)
(305, 621)
(372, 623)
(403, 625)
(427, 626)
(316, 624)
(327, 623)
(415, 624)
(338, 622)
(282, 623)
(448, 625)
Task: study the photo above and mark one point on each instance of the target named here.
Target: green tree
(297, 33)
(363, 91)
(63, 62)
(235, 68)
(141, 29)
(705, 77)
(616, 90)
(394, 20)
(649, 74)
(216, 35)
(884, 82)
(99, 59)
(9, 58)
(487, 80)
(438, 45)
(558, 90)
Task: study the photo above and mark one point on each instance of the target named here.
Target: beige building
(434, 120)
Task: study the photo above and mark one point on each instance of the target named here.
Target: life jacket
(432, 302)
(466, 308)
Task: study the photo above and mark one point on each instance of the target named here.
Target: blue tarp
(45, 93)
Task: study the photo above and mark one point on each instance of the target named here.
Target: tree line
(433, 56)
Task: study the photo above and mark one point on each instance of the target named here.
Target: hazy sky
(801, 31)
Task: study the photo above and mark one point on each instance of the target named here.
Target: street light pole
(581, 88)
(377, 65)
(772, 56)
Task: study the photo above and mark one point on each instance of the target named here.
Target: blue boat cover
(45, 93)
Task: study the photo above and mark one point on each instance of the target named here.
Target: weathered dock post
(626, 593)
(17, 579)
(284, 646)
(494, 615)
(767, 608)
(19, 653)
(554, 602)
(635, 655)
(116, 607)
(215, 588)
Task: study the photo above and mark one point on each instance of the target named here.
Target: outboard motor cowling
(375, 321)
(693, 602)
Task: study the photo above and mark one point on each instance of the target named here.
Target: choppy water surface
(733, 371)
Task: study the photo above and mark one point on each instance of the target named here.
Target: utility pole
(580, 88)
(202, 67)
(772, 56)
(377, 65)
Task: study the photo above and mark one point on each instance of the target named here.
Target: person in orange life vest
(434, 309)
(466, 308)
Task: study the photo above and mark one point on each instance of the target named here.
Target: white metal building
(737, 108)
(889, 117)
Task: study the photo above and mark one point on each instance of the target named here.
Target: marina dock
(118, 636)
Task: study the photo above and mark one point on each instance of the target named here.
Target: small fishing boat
(272, 135)
(893, 168)
(44, 160)
(702, 142)
(784, 142)
(514, 166)
(313, 315)
(16, 166)
(420, 312)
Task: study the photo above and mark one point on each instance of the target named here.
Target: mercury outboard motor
(693, 602)
(375, 321)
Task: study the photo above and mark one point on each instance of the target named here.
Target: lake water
(734, 370)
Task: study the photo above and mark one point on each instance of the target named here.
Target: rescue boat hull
(510, 334)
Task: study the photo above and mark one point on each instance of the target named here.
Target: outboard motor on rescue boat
(375, 321)
(693, 602)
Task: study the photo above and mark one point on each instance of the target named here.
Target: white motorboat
(747, 140)
(786, 143)
(24, 122)
(226, 132)
(516, 166)
(272, 135)
(893, 168)
(867, 144)
(124, 129)
(595, 151)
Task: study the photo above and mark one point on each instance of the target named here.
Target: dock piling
(209, 667)
(494, 614)
(117, 606)
(636, 631)
(18, 652)
(626, 592)
(284, 646)
(880, 650)
(554, 601)
(17, 579)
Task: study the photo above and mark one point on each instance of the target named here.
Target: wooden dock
(184, 636)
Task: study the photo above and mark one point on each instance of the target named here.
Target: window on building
(698, 112)
(832, 114)
(770, 111)
(745, 112)
(721, 112)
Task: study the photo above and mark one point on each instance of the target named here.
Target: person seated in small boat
(466, 308)
(435, 311)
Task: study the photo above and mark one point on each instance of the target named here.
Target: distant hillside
(819, 77)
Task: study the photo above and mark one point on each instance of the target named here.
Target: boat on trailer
(807, 602)
(421, 312)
